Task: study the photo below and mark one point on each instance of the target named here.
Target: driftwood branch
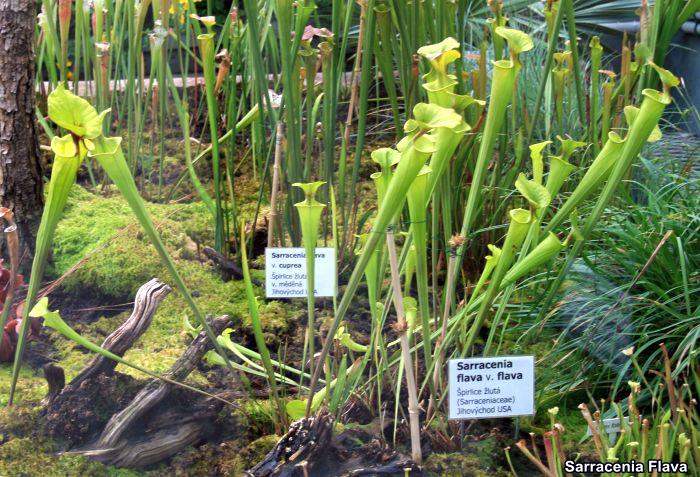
(148, 297)
(76, 411)
(309, 448)
(156, 390)
(151, 423)
(149, 430)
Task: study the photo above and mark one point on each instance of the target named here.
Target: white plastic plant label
(500, 386)
(285, 272)
(611, 426)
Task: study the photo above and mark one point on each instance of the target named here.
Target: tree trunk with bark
(20, 167)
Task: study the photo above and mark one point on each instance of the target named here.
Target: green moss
(116, 259)
(245, 458)
(18, 420)
(478, 458)
(459, 465)
(257, 415)
(275, 318)
(31, 387)
(34, 457)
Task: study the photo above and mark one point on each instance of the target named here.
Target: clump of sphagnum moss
(117, 259)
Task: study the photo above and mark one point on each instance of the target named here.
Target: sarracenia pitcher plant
(505, 74)
(643, 126)
(418, 213)
(206, 49)
(310, 211)
(420, 143)
(517, 230)
(84, 138)
(415, 150)
(609, 168)
(84, 125)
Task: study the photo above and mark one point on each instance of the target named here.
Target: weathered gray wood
(156, 390)
(151, 427)
(159, 446)
(148, 297)
(69, 412)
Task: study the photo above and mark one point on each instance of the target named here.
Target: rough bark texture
(20, 167)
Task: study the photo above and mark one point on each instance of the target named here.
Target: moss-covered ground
(103, 258)
(101, 255)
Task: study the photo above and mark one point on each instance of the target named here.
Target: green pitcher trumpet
(344, 338)
(77, 116)
(386, 157)
(569, 146)
(560, 76)
(410, 309)
(440, 55)
(559, 166)
(559, 170)
(207, 21)
(537, 162)
(631, 113)
(206, 51)
(446, 139)
(428, 116)
(448, 129)
(668, 79)
(606, 112)
(597, 173)
(441, 93)
(409, 268)
(550, 12)
(502, 84)
(543, 253)
(380, 184)
(596, 58)
(417, 207)
(518, 42)
(371, 274)
(493, 24)
(600, 168)
(517, 230)
(491, 261)
(310, 211)
(520, 220)
(438, 83)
